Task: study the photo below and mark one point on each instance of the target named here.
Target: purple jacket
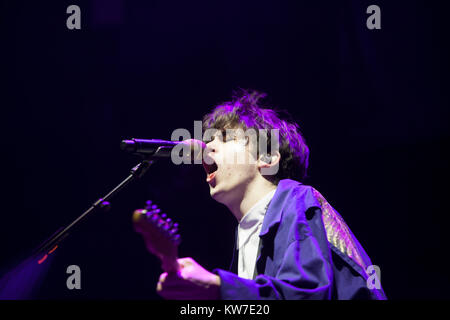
(306, 252)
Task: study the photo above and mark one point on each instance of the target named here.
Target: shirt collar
(256, 213)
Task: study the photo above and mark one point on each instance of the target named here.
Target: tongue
(210, 176)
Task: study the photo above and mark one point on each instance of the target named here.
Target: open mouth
(210, 169)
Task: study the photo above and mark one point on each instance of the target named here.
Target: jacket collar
(274, 211)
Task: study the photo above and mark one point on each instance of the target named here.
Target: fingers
(191, 281)
(169, 280)
(171, 286)
(161, 280)
(185, 262)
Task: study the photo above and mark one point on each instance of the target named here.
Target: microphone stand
(137, 172)
(19, 282)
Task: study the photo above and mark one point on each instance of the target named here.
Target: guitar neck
(169, 264)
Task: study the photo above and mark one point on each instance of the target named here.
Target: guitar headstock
(159, 233)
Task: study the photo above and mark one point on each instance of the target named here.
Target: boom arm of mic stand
(52, 243)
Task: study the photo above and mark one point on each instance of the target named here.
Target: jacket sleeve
(304, 273)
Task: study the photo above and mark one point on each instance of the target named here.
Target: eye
(223, 137)
(233, 136)
(208, 140)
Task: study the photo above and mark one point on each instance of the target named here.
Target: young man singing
(290, 242)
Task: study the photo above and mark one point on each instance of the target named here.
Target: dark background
(372, 104)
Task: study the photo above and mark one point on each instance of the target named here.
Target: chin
(215, 194)
(219, 196)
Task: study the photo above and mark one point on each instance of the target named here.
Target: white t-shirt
(248, 236)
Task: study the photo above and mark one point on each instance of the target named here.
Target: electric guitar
(160, 235)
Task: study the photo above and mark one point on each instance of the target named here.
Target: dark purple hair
(245, 111)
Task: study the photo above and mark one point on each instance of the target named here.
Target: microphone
(162, 148)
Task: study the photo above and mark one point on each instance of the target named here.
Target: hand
(191, 282)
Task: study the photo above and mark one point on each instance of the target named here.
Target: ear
(269, 160)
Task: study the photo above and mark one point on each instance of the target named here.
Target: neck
(249, 195)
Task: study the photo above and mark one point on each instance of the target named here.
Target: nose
(209, 149)
(211, 146)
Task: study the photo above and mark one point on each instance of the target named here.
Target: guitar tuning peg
(149, 214)
(169, 221)
(163, 216)
(177, 239)
(148, 203)
(160, 222)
